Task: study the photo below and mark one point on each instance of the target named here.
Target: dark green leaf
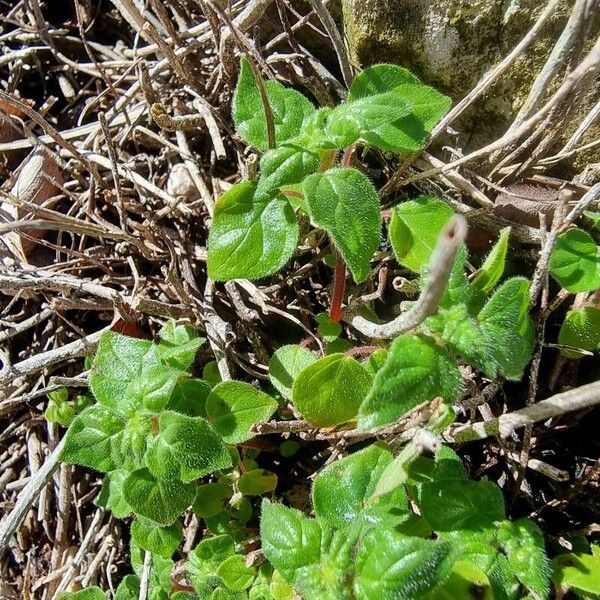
(329, 391)
(378, 79)
(158, 500)
(453, 504)
(234, 407)
(249, 237)
(211, 498)
(284, 166)
(416, 370)
(390, 565)
(111, 494)
(95, 439)
(158, 540)
(185, 448)
(189, 397)
(345, 204)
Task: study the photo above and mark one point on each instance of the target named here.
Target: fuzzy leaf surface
(161, 501)
(185, 448)
(416, 370)
(234, 407)
(580, 329)
(329, 391)
(290, 109)
(285, 365)
(158, 540)
(344, 203)
(250, 237)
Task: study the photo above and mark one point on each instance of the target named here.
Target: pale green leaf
(492, 269)
(329, 391)
(415, 228)
(575, 262)
(580, 330)
(285, 365)
(111, 494)
(235, 574)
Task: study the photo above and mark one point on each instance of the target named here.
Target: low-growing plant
(405, 524)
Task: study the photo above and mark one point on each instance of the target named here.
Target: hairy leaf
(234, 407)
(329, 391)
(161, 501)
(111, 494)
(257, 482)
(178, 345)
(345, 204)
(391, 565)
(185, 448)
(285, 365)
(129, 588)
(416, 370)
(575, 262)
(235, 574)
(415, 227)
(290, 109)
(487, 277)
(158, 540)
(250, 237)
(211, 498)
(95, 439)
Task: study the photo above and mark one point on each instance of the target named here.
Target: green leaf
(129, 588)
(185, 448)
(158, 540)
(159, 500)
(111, 494)
(91, 593)
(594, 217)
(375, 361)
(161, 568)
(257, 482)
(211, 498)
(507, 327)
(427, 106)
(578, 572)
(290, 539)
(329, 391)
(234, 407)
(378, 79)
(372, 119)
(390, 565)
(178, 345)
(453, 504)
(94, 440)
(235, 574)
(344, 203)
(416, 370)
(290, 110)
(466, 581)
(415, 227)
(575, 262)
(341, 490)
(250, 237)
(59, 409)
(491, 270)
(189, 397)
(284, 166)
(117, 364)
(580, 329)
(328, 329)
(285, 365)
(523, 544)
(204, 560)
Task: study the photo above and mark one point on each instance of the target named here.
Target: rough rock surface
(452, 43)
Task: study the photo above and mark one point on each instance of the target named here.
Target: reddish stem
(348, 156)
(339, 288)
(362, 351)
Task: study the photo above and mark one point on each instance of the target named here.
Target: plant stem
(339, 288)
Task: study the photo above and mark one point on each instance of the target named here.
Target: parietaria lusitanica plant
(384, 524)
